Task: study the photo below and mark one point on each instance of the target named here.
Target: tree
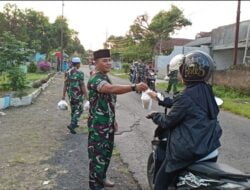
(75, 46)
(12, 51)
(38, 30)
(34, 28)
(162, 25)
(143, 35)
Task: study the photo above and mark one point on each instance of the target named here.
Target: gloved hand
(151, 115)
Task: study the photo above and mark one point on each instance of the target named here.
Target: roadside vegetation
(119, 73)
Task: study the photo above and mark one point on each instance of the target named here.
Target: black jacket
(192, 135)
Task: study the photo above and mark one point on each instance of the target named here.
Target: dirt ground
(38, 153)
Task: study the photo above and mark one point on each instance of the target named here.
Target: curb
(8, 101)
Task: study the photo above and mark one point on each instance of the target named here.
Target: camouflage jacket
(102, 106)
(173, 75)
(74, 79)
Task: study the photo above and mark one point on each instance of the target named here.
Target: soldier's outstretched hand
(141, 87)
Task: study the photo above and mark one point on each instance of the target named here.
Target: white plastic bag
(166, 78)
(62, 105)
(146, 100)
(218, 100)
(86, 106)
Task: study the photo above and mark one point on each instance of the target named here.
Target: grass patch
(83, 129)
(36, 76)
(30, 78)
(226, 92)
(235, 101)
(162, 86)
(124, 170)
(237, 106)
(119, 73)
(116, 152)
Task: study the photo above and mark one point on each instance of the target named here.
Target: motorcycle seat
(217, 171)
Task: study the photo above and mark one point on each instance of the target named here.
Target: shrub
(32, 68)
(125, 67)
(36, 84)
(17, 79)
(44, 66)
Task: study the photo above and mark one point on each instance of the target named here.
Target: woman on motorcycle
(193, 128)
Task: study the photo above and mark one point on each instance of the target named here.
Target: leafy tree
(34, 28)
(143, 35)
(162, 25)
(12, 51)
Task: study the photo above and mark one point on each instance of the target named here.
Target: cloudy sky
(95, 20)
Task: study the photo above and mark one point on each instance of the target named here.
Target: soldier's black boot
(71, 129)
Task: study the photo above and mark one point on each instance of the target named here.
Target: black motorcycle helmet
(196, 66)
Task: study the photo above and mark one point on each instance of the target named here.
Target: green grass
(238, 106)
(83, 129)
(30, 78)
(162, 86)
(119, 73)
(235, 101)
(36, 76)
(116, 152)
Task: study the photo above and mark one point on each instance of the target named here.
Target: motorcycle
(132, 75)
(200, 175)
(151, 80)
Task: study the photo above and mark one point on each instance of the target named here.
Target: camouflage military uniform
(74, 80)
(101, 130)
(141, 72)
(173, 80)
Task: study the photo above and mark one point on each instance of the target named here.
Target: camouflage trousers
(76, 112)
(100, 148)
(172, 82)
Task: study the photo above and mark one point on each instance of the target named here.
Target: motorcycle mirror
(218, 100)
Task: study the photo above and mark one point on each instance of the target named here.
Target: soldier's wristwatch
(133, 87)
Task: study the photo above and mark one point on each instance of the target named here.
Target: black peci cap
(102, 53)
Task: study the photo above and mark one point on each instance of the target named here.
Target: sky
(96, 20)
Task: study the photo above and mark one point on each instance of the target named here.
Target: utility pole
(106, 39)
(237, 34)
(61, 65)
(160, 46)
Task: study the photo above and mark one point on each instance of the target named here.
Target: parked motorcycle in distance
(151, 79)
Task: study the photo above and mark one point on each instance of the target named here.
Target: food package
(62, 105)
(86, 106)
(146, 100)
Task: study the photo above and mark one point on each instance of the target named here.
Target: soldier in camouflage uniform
(141, 72)
(75, 88)
(172, 69)
(173, 81)
(101, 122)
